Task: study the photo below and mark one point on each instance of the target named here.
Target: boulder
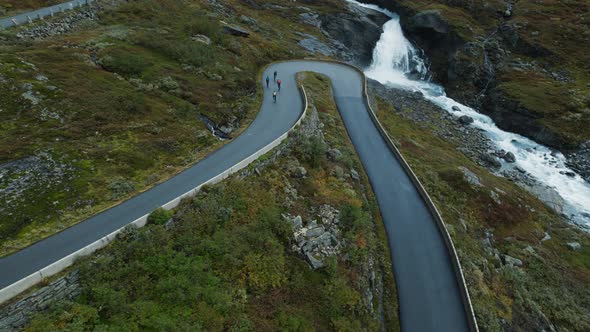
(314, 262)
(299, 172)
(235, 30)
(201, 39)
(470, 177)
(315, 46)
(315, 232)
(354, 174)
(574, 246)
(429, 20)
(334, 154)
(456, 108)
(465, 120)
(509, 157)
(249, 20)
(491, 161)
(312, 19)
(511, 261)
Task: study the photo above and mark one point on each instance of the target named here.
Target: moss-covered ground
(499, 215)
(226, 264)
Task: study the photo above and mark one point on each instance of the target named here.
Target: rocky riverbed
(471, 141)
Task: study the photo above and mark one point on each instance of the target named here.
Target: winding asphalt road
(42, 12)
(428, 291)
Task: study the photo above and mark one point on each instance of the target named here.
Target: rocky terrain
(292, 242)
(469, 140)
(523, 63)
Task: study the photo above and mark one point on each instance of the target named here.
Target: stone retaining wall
(15, 316)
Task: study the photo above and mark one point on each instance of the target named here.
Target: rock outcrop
(358, 31)
(316, 241)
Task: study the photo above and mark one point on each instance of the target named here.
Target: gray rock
(511, 261)
(470, 177)
(510, 157)
(315, 263)
(430, 20)
(299, 172)
(574, 246)
(465, 120)
(530, 250)
(334, 154)
(456, 108)
(201, 39)
(249, 20)
(310, 18)
(315, 232)
(548, 196)
(169, 224)
(235, 30)
(297, 222)
(354, 174)
(315, 46)
(491, 161)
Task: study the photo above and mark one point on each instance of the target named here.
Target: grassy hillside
(226, 263)
(494, 219)
(114, 105)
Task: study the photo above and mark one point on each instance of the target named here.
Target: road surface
(429, 296)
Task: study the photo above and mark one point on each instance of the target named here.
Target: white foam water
(397, 63)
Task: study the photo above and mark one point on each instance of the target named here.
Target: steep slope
(524, 63)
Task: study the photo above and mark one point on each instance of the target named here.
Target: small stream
(397, 63)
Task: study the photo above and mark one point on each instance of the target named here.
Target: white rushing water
(397, 63)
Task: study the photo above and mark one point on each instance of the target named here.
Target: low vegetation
(226, 261)
(491, 221)
(117, 102)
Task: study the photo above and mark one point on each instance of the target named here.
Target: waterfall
(397, 63)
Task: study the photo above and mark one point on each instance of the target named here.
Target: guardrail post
(51, 12)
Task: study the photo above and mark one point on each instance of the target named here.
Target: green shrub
(126, 64)
(159, 216)
(312, 150)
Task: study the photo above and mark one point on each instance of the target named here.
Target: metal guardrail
(41, 13)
